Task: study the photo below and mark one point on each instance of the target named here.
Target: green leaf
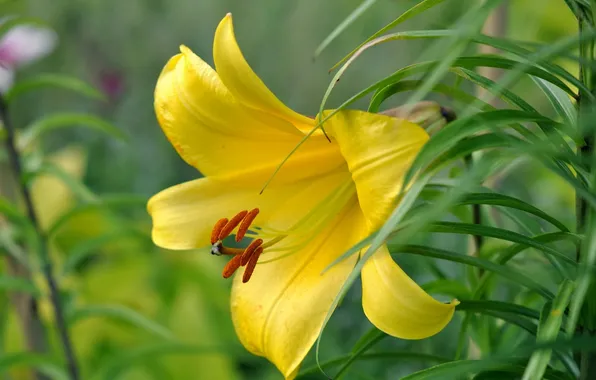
(112, 202)
(510, 252)
(18, 284)
(453, 288)
(481, 305)
(356, 13)
(66, 82)
(88, 247)
(121, 313)
(496, 199)
(414, 11)
(559, 100)
(504, 271)
(113, 367)
(393, 355)
(42, 363)
(79, 189)
(363, 347)
(497, 233)
(549, 330)
(68, 120)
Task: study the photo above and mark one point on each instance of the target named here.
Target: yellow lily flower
(327, 197)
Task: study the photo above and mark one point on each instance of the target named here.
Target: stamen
(217, 229)
(229, 227)
(231, 266)
(250, 267)
(252, 247)
(246, 222)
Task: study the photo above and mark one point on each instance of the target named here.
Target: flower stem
(586, 215)
(46, 263)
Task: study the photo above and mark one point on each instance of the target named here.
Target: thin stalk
(586, 216)
(46, 263)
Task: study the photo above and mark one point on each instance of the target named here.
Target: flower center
(295, 237)
(241, 257)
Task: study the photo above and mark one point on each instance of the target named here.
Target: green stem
(584, 214)
(46, 263)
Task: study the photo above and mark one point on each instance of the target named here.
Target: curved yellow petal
(213, 132)
(378, 150)
(395, 304)
(184, 215)
(242, 81)
(280, 311)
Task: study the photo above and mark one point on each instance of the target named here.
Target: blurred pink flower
(21, 45)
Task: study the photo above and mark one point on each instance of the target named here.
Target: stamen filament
(229, 227)
(252, 263)
(246, 222)
(231, 251)
(217, 229)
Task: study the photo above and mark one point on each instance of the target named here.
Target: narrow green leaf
(112, 367)
(414, 11)
(504, 271)
(496, 199)
(79, 189)
(122, 313)
(373, 340)
(68, 120)
(62, 81)
(497, 233)
(476, 305)
(549, 330)
(18, 284)
(88, 247)
(559, 100)
(42, 363)
(112, 202)
(356, 13)
(393, 355)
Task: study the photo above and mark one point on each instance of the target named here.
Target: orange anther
(252, 247)
(229, 227)
(231, 266)
(250, 267)
(246, 222)
(217, 229)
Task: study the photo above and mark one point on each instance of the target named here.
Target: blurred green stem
(586, 216)
(46, 264)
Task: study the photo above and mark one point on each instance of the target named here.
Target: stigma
(246, 257)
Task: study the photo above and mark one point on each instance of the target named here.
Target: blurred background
(105, 259)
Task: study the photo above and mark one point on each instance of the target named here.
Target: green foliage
(502, 176)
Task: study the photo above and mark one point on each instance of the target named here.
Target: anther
(248, 252)
(231, 266)
(250, 267)
(246, 222)
(217, 229)
(229, 226)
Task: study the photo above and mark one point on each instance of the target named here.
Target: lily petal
(242, 81)
(217, 135)
(280, 311)
(184, 215)
(395, 304)
(379, 150)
